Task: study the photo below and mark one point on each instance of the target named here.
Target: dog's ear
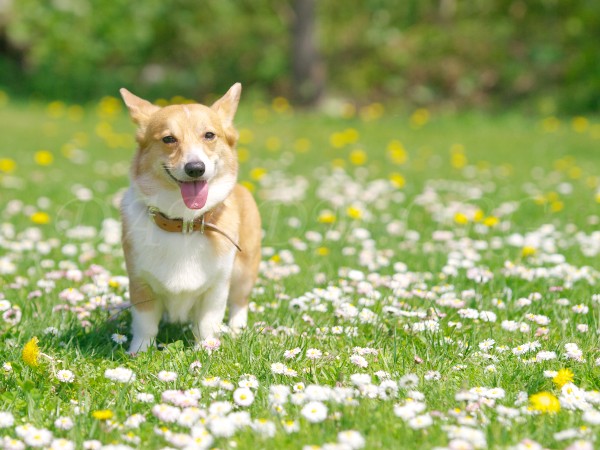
(227, 105)
(140, 110)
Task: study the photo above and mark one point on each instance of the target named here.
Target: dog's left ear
(140, 110)
(227, 105)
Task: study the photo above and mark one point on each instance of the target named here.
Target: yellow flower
(273, 144)
(246, 136)
(556, 206)
(563, 377)
(458, 160)
(56, 109)
(354, 213)
(326, 217)
(40, 218)
(550, 124)
(322, 251)
(43, 158)
(580, 124)
(257, 173)
(528, 251)
(397, 180)
(243, 154)
(7, 165)
(544, 402)
(396, 152)
(302, 145)
(491, 221)
(248, 185)
(102, 414)
(337, 140)
(419, 118)
(461, 219)
(280, 105)
(31, 352)
(358, 157)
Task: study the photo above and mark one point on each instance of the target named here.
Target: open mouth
(194, 193)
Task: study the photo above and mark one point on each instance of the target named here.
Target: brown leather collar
(180, 226)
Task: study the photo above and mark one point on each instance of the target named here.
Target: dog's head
(186, 148)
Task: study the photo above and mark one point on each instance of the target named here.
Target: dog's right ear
(140, 110)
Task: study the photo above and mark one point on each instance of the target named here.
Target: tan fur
(236, 213)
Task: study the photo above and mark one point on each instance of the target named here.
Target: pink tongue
(194, 193)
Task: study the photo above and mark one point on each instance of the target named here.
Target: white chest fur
(179, 268)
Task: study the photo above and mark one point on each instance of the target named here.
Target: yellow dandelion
(43, 158)
(322, 251)
(75, 113)
(563, 377)
(419, 118)
(491, 221)
(354, 212)
(397, 180)
(243, 154)
(248, 185)
(326, 217)
(7, 165)
(351, 135)
(528, 251)
(109, 107)
(246, 136)
(458, 160)
(550, 124)
(338, 162)
(461, 219)
(337, 140)
(556, 206)
(40, 218)
(544, 402)
(348, 110)
(358, 157)
(478, 216)
(31, 352)
(102, 414)
(56, 109)
(302, 145)
(580, 124)
(273, 143)
(280, 105)
(396, 152)
(258, 173)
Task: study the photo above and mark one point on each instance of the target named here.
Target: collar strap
(186, 226)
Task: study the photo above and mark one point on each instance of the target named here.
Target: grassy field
(427, 281)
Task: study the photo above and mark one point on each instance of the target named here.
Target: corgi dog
(191, 234)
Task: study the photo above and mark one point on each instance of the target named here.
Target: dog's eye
(209, 135)
(169, 139)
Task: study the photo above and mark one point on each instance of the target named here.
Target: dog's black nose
(194, 169)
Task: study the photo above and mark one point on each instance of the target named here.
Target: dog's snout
(195, 169)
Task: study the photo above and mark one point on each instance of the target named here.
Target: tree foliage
(545, 53)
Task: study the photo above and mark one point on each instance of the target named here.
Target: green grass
(485, 179)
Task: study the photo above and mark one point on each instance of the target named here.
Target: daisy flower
(313, 353)
(314, 412)
(167, 376)
(65, 376)
(243, 396)
(119, 338)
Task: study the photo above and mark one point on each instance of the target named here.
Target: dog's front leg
(145, 313)
(211, 311)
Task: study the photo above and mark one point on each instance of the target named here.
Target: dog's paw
(139, 345)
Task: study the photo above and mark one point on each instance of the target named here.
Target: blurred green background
(541, 56)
